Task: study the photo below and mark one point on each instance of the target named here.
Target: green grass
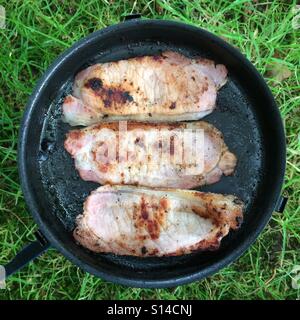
(37, 31)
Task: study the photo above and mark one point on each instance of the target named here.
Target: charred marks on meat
(173, 105)
(110, 96)
(158, 58)
(149, 217)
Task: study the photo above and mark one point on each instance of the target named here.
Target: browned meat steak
(167, 87)
(151, 160)
(126, 220)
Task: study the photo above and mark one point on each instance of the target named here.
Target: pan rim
(105, 274)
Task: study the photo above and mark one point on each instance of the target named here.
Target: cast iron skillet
(246, 113)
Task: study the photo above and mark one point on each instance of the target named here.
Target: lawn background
(37, 31)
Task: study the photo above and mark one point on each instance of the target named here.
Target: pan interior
(235, 115)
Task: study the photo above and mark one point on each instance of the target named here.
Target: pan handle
(281, 203)
(132, 16)
(27, 254)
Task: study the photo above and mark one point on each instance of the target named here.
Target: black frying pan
(246, 113)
